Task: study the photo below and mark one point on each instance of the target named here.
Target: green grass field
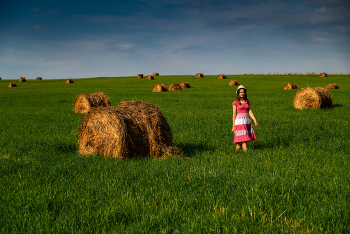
(294, 178)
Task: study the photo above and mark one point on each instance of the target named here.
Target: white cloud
(7, 49)
(37, 27)
(117, 46)
(342, 29)
(320, 39)
(323, 14)
(126, 47)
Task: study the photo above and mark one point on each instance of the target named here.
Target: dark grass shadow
(337, 105)
(268, 145)
(191, 149)
(66, 148)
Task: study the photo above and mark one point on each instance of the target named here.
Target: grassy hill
(294, 178)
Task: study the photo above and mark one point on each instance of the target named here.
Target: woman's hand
(256, 123)
(233, 129)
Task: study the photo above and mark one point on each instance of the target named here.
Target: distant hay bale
(332, 86)
(0, 78)
(12, 84)
(199, 75)
(185, 85)
(132, 129)
(84, 102)
(164, 86)
(312, 98)
(22, 79)
(69, 81)
(289, 86)
(159, 88)
(175, 87)
(149, 77)
(323, 74)
(39, 78)
(139, 76)
(155, 74)
(233, 83)
(221, 76)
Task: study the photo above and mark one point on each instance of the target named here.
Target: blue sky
(74, 39)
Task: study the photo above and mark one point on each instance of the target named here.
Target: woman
(242, 126)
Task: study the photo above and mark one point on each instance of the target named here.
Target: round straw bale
(159, 88)
(132, 129)
(332, 86)
(175, 87)
(139, 76)
(312, 98)
(39, 78)
(155, 74)
(22, 79)
(164, 87)
(233, 83)
(323, 74)
(221, 76)
(84, 102)
(69, 81)
(0, 78)
(12, 84)
(199, 75)
(185, 85)
(149, 77)
(289, 86)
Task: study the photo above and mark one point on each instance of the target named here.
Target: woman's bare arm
(234, 117)
(252, 116)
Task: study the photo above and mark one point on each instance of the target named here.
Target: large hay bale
(185, 85)
(149, 77)
(132, 129)
(289, 86)
(139, 76)
(69, 81)
(0, 78)
(12, 84)
(84, 102)
(199, 75)
(312, 98)
(22, 79)
(175, 87)
(39, 78)
(164, 87)
(233, 83)
(221, 76)
(323, 74)
(155, 74)
(159, 88)
(332, 86)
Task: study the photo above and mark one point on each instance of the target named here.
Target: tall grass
(294, 178)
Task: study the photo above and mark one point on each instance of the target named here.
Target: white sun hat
(240, 87)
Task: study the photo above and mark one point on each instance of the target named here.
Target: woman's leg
(239, 145)
(244, 145)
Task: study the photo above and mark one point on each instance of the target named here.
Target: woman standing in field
(242, 126)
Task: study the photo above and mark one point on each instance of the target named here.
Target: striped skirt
(243, 128)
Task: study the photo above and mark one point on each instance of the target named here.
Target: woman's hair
(239, 99)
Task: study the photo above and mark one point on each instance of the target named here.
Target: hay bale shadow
(65, 148)
(337, 105)
(191, 149)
